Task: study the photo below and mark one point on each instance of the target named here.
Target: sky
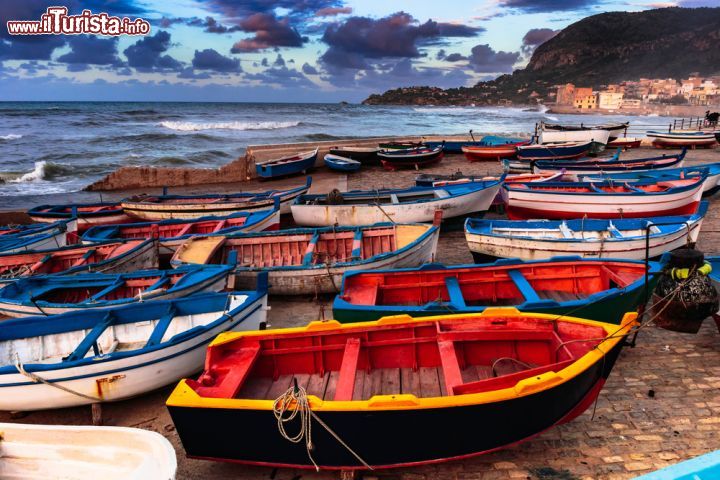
(283, 50)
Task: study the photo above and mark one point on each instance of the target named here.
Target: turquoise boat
(704, 467)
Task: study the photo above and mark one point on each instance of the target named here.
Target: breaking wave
(42, 170)
(193, 126)
(10, 136)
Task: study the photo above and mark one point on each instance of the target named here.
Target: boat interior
(95, 209)
(425, 359)
(607, 187)
(382, 198)
(298, 249)
(491, 286)
(173, 230)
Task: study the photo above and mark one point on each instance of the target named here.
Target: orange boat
(479, 153)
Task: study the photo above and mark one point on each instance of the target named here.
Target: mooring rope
(38, 379)
(295, 401)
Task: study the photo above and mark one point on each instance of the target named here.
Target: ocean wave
(10, 136)
(193, 126)
(42, 171)
(139, 112)
(319, 137)
(447, 110)
(554, 119)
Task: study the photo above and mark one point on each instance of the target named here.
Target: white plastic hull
(600, 171)
(553, 136)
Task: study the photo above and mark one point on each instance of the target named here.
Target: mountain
(598, 50)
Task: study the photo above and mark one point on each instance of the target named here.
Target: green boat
(596, 289)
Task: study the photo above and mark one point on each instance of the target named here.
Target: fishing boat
(412, 158)
(488, 141)
(678, 139)
(165, 207)
(291, 165)
(366, 155)
(307, 261)
(565, 200)
(625, 143)
(99, 355)
(437, 180)
(551, 151)
(615, 238)
(400, 145)
(173, 233)
(409, 205)
(341, 164)
(612, 164)
(395, 392)
(704, 467)
(711, 185)
(106, 257)
(479, 153)
(80, 452)
(602, 290)
(40, 237)
(55, 294)
(614, 129)
(87, 214)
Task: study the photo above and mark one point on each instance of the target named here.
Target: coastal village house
(585, 99)
(610, 100)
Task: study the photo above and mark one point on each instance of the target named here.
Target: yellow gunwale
(184, 396)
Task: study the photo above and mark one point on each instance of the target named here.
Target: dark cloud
(244, 8)
(483, 59)
(210, 59)
(539, 6)
(309, 69)
(92, 50)
(455, 57)
(265, 62)
(333, 11)
(440, 54)
(77, 67)
(279, 61)
(38, 47)
(536, 37)
(269, 32)
(283, 77)
(190, 73)
(147, 54)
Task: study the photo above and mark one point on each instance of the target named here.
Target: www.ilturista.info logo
(56, 21)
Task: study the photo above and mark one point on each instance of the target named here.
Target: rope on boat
(294, 402)
(38, 379)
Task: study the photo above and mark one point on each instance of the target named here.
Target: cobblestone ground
(661, 404)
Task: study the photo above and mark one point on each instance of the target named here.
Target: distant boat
(438, 180)
(565, 200)
(680, 139)
(612, 238)
(165, 207)
(550, 151)
(410, 158)
(38, 236)
(366, 155)
(341, 164)
(556, 286)
(109, 355)
(401, 145)
(625, 142)
(711, 185)
(87, 214)
(290, 165)
(409, 205)
(614, 129)
(75, 452)
(613, 164)
(457, 146)
(55, 294)
(307, 261)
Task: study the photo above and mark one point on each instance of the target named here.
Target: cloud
(296, 8)
(333, 11)
(309, 69)
(30, 47)
(283, 77)
(210, 59)
(190, 73)
(483, 59)
(147, 53)
(455, 57)
(279, 61)
(91, 50)
(440, 54)
(269, 32)
(536, 37)
(539, 6)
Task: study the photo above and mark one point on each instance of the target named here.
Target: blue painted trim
(527, 291)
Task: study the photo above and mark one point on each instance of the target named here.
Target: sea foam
(10, 136)
(39, 173)
(194, 127)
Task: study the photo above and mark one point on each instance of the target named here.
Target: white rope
(295, 401)
(38, 379)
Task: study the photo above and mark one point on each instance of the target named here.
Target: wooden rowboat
(82, 452)
(603, 290)
(493, 148)
(400, 145)
(102, 355)
(173, 233)
(550, 151)
(307, 261)
(457, 146)
(625, 143)
(682, 139)
(410, 158)
(563, 200)
(616, 238)
(166, 207)
(613, 164)
(399, 391)
(341, 164)
(87, 214)
(291, 165)
(106, 257)
(39, 237)
(365, 155)
(710, 186)
(55, 294)
(409, 205)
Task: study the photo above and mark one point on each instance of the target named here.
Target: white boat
(555, 136)
(44, 237)
(80, 358)
(615, 238)
(410, 205)
(682, 139)
(69, 452)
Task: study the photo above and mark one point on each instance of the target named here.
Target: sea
(60, 147)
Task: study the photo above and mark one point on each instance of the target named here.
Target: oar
(471, 136)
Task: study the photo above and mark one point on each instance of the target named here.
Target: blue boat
(55, 294)
(609, 165)
(37, 236)
(602, 290)
(455, 146)
(704, 467)
(291, 165)
(341, 164)
(547, 151)
(711, 185)
(102, 355)
(87, 214)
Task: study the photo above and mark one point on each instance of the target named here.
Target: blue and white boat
(612, 238)
(711, 185)
(547, 151)
(291, 165)
(87, 214)
(704, 467)
(99, 355)
(455, 146)
(341, 164)
(55, 294)
(408, 205)
(39, 236)
(613, 164)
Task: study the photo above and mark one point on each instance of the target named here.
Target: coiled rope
(294, 402)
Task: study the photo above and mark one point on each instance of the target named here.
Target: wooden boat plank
(331, 385)
(279, 387)
(373, 384)
(390, 381)
(429, 382)
(410, 381)
(317, 383)
(358, 389)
